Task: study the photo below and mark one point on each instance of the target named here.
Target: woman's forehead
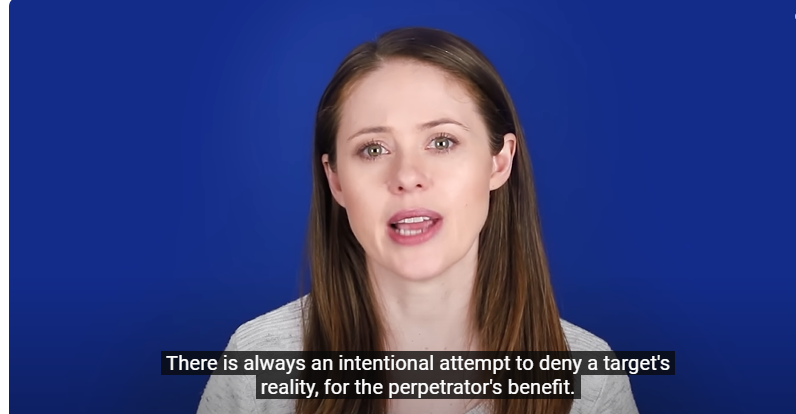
(405, 94)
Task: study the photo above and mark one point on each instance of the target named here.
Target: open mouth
(410, 227)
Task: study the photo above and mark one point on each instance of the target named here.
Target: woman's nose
(408, 175)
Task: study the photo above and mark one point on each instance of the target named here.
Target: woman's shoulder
(599, 393)
(277, 330)
(580, 339)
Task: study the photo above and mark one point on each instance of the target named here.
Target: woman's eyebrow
(441, 121)
(421, 127)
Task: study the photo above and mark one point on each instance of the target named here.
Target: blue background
(160, 181)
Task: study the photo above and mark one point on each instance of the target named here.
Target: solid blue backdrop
(160, 181)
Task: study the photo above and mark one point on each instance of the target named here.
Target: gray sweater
(280, 330)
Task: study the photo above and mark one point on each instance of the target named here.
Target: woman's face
(414, 169)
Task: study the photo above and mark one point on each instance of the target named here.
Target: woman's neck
(428, 315)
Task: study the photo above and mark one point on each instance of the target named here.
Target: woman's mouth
(411, 227)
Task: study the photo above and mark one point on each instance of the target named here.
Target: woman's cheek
(364, 207)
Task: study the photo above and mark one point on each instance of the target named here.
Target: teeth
(414, 219)
(404, 232)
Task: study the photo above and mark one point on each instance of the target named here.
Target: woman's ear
(334, 180)
(502, 162)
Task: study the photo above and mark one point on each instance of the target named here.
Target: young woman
(424, 233)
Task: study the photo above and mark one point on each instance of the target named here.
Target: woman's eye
(374, 150)
(442, 143)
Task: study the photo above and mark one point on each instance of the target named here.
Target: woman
(424, 232)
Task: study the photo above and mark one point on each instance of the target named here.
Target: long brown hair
(513, 308)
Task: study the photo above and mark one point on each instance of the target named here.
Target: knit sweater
(280, 330)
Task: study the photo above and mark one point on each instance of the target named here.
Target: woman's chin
(419, 270)
(423, 265)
